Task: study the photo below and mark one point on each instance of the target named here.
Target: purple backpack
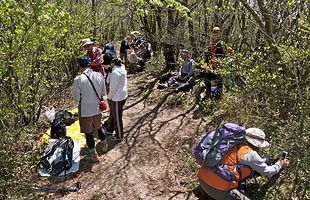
(214, 145)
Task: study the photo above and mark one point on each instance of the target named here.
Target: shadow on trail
(150, 88)
(144, 127)
(144, 130)
(138, 126)
(181, 192)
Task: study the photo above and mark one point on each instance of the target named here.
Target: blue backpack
(215, 144)
(84, 61)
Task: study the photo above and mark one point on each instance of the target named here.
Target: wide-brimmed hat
(256, 137)
(86, 41)
(135, 33)
(216, 29)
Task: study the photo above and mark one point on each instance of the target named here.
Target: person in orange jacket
(241, 160)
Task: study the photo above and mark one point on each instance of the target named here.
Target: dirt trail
(146, 165)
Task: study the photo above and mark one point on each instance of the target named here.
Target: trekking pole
(62, 190)
(65, 190)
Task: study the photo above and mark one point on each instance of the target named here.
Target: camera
(284, 155)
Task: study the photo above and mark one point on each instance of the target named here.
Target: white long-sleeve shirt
(253, 160)
(117, 81)
(84, 94)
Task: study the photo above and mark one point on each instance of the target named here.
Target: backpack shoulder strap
(51, 151)
(92, 85)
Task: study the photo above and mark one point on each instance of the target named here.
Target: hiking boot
(94, 156)
(162, 85)
(108, 133)
(116, 139)
(103, 145)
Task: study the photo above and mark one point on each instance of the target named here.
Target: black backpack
(109, 49)
(62, 119)
(58, 157)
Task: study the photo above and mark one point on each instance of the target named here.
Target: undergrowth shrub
(276, 99)
(155, 65)
(19, 152)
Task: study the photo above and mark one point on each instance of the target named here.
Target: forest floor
(155, 160)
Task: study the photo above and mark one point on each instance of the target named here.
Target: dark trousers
(90, 141)
(208, 77)
(115, 120)
(123, 57)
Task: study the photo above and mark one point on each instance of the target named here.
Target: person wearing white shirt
(88, 109)
(117, 95)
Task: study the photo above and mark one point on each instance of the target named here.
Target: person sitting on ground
(95, 55)
(185, 76)
(145, 51)
(247, 157)
(88, 109)
(135, 63)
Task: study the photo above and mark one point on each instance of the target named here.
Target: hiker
(247, 157)
(123, 49)
(109, 49)
(135, 63)
(137, 38)
(184, 78)
(214, 51)
(145, 51)
(95, 55)
(84, 93)
(117, 95)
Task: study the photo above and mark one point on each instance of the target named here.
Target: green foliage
(276, 99)
(149, 5)
(18, 161)
(40, 42)
(155, 65)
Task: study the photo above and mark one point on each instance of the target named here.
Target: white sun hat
(86, 42)
(256, 137)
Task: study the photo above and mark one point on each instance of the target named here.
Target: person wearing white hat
(243, 159)
(213, 53)
(95, 55)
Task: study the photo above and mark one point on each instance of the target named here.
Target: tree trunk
(266, 26)
(169, 43)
